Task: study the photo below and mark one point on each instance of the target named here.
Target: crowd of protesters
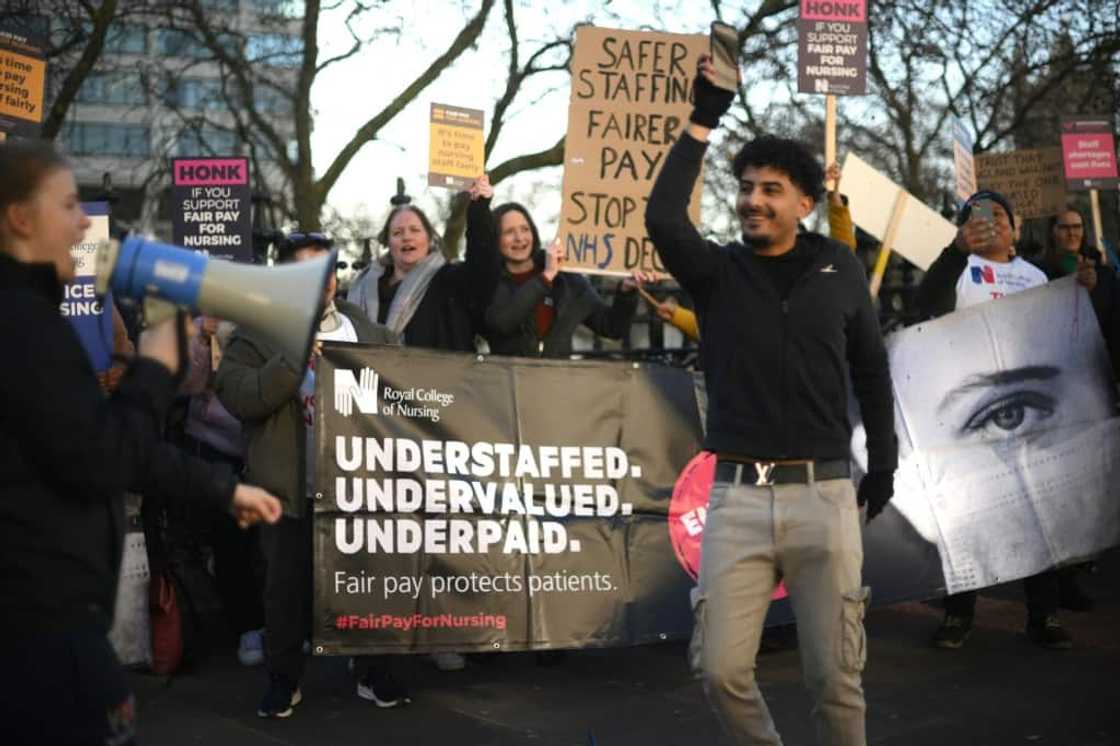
(251, 412)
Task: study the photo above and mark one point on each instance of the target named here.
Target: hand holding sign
(637, 279)
(481, 189)
(832, 180)
(553, 257)
(1086, 274)
(666, 308)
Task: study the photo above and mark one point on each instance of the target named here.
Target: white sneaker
(250, 651)
(449, 661)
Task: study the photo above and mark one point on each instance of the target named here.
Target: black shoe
(382, 689)
(952, 633)
(1048, 632)
(280, 697)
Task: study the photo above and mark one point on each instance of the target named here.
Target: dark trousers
(64, 688)
(1042, 592)
(287, 593)
(238, 574)
(237, 571)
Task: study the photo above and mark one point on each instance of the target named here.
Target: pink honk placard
(210, 171)
(851, 11)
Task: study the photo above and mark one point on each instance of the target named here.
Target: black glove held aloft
(709, 102)
(875, 491)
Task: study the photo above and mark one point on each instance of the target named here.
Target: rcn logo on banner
(352, 391)
(981, 275)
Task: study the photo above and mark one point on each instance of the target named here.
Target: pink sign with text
(851, 11)
(1089, 153)
(210, 171)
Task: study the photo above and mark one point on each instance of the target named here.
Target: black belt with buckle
(766, 473)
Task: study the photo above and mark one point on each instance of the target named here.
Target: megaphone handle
(157, 311)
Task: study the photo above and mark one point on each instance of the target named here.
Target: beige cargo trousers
(807, 535)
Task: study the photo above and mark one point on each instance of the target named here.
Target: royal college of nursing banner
(468, 503)
(496, 504)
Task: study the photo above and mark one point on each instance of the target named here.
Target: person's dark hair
(383, 236)
(24, 164)
(788, 156)
(502, 210)
(296, 240)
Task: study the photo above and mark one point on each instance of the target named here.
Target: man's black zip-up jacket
(777, 371)
(67, 454)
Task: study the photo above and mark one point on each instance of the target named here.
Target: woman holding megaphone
(67, 454)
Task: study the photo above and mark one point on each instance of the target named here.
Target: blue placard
(80, 304)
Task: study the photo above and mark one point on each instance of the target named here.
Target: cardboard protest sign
(210, 206)
(922, 233)
(629, 104)
(962, 161)
(1031, 179)
(23, 71)
(90, 315)
(832, 47)
(455, 146)
(1089, 153)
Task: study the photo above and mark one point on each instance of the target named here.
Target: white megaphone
(279, 303)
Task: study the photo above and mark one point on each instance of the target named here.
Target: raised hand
(710, 102)
(975, 236)
(553, 258)
(832, 181)
(481, 188)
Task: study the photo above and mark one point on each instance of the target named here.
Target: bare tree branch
(101, 17)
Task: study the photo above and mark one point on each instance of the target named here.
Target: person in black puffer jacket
(536, 308)
(421, 297)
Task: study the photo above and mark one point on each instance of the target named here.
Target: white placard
(922, 234)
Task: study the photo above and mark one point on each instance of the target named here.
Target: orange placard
(456, 146)
(21, 86)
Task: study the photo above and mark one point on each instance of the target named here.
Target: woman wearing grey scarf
(425, 299)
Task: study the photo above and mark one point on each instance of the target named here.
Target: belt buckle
(764, 473)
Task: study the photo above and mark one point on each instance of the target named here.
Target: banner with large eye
(1009, 447)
